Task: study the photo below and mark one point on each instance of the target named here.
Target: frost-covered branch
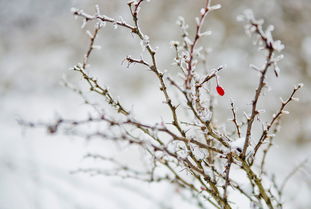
(267, 43)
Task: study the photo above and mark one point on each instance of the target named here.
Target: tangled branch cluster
(192, 143)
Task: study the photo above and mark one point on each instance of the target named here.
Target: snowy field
(40, 41)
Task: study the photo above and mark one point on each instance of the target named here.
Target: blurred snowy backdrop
(40, 40)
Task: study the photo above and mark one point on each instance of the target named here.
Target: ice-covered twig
(275, 118)
(255, 26)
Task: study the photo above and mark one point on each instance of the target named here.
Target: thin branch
(269, 47)
(275, 118)
(234, 120)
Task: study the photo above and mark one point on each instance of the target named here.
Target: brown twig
(275, 118)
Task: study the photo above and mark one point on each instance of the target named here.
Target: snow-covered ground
(40, 41)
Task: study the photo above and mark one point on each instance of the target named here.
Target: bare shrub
(191, 142)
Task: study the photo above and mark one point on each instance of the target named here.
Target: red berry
(220, 90)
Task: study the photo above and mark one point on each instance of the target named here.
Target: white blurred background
(40, 40)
